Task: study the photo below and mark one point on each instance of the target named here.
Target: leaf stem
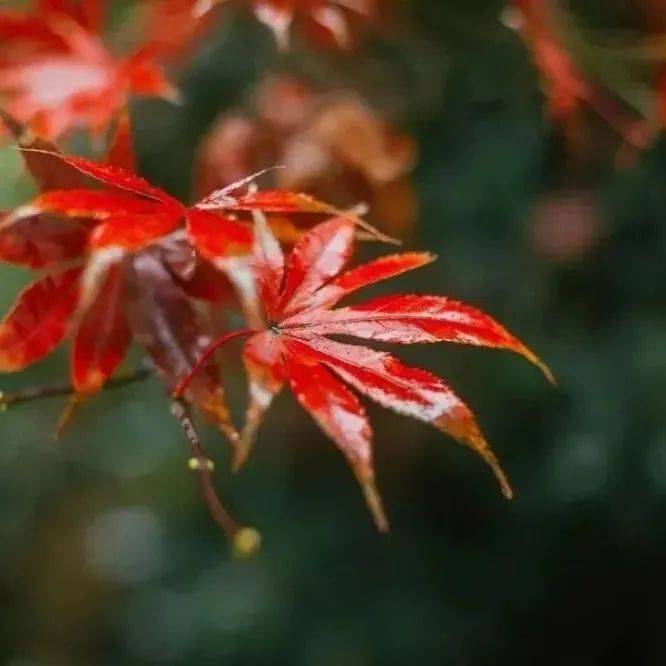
(184, 383)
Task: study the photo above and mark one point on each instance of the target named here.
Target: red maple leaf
(298, 297)
(57, 73)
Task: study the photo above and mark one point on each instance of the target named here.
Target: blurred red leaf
(40, 242)
(57, 73)
(173, 27)
(164, 322)
(102, 336)
(325, 22)
(38, 322)
(566, 86)
(121, 147)
(89, 13)
(329, 143)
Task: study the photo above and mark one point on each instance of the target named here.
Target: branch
(55, 390)
(245, 540)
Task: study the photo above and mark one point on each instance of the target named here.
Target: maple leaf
(325, 21)
(299, 296)
(56, 73)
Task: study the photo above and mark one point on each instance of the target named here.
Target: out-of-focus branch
(65, 388)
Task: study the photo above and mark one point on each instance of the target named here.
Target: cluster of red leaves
(124, 262)
(325, 22)
(129, 262)
(330, 144)
(57, 73)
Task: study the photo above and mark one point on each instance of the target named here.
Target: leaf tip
(241, 453)
(463, 427)
(373, 500)
(507, 490)
(42, 151)
(491, 460)
(11, 123)
(533, 358)
(548, 373)
(173, 95)
(202, 7)
(229, 431)
(67, 415)
(389, 240)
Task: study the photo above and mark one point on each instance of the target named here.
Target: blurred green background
(107, 555)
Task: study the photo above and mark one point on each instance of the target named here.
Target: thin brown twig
(246, 541)
(66, 388)
(201, 464)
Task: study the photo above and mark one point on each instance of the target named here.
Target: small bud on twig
(198, 464)
(247, 543)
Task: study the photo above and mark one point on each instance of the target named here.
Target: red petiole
(185, 382)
